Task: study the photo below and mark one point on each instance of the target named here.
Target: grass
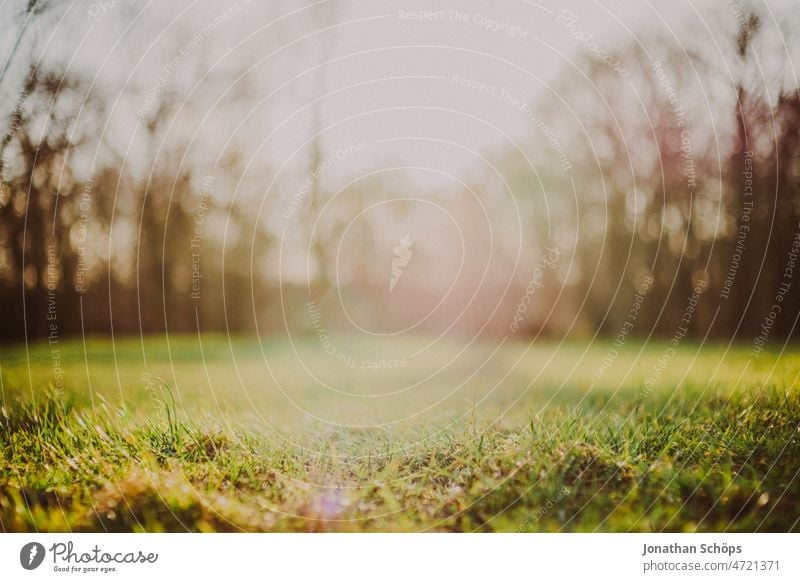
(207, 434)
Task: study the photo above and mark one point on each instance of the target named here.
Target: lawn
(215, 434)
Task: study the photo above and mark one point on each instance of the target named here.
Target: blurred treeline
(655, 186)
(63, 268)
(685, 168)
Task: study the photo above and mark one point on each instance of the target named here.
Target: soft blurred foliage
(139, 195)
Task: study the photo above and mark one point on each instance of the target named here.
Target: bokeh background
(256, 167)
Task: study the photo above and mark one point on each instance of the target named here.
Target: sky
(421, 93)
(392, 75)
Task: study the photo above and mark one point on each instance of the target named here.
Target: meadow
(210, 433)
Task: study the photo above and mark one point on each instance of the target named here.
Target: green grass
(208, 434)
